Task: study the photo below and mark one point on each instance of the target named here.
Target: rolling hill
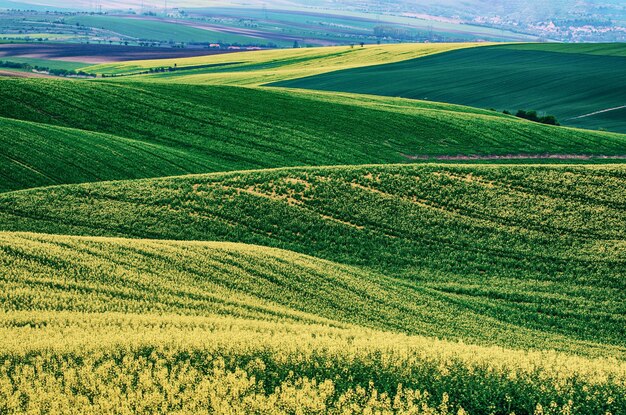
(492, 240)
(153, 129)
(35, 154)
(569, 81)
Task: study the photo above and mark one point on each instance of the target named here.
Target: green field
(41, 155)
(488, 262)
(483, 234)
(207, 130)
(227, 327)
(565, 80)
(199, 242)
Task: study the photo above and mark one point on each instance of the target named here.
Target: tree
(528, 115)
(549, 119)
(532, 116)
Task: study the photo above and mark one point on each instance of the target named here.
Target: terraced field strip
(151, 29)
(274, 65)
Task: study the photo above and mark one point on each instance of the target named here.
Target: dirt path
(521, 157)
(591, 114)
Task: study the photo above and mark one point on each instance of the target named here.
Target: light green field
(240, 329)
(45, 63)
(469, 237)
(41, 155)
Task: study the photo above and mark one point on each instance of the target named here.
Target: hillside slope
(534, 247)
(106, 275)
(329, 285)
(163, 129)
(36, 155)
(568, 81)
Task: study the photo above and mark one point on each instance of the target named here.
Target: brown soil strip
(95, 53)
(519, 157)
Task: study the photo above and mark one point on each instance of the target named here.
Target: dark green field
(564, 80)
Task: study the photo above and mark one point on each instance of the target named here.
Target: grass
(529, 248)
(206, 129)
(567, 81)
(41, 155)
(601, 49)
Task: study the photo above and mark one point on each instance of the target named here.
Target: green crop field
(568, 81)
(481, 264)
(198, 241)
(45, 63)
(154, 326)
(207, 130)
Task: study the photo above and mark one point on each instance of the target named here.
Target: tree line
(44, 69)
